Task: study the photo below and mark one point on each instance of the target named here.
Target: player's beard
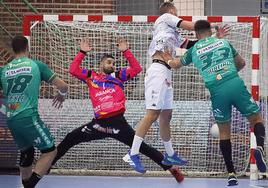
(108, 70)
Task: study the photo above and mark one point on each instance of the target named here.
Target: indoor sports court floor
(12, 181)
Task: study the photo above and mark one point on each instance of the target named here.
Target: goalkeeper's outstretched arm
(134, 67)
(75, 68)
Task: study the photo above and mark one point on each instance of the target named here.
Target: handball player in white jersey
(158, 86)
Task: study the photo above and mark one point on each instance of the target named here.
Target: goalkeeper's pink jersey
(106, 91)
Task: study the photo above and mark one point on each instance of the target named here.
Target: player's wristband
(125, 50)
(61, 93)
(84, 52)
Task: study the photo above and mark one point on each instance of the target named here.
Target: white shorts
(158, 87)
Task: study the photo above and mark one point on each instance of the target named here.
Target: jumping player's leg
(126, 136)
(155, 91)
(143, 127)
(171, 157)
(164, 125)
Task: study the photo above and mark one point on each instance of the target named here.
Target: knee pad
(27, 157)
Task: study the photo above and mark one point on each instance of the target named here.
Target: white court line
(255, 186)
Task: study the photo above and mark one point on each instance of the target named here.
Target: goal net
(57, 42)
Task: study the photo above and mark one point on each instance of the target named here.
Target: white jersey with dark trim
(166, 35)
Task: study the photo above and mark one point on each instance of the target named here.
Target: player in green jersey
(20, 81)
(218, 63)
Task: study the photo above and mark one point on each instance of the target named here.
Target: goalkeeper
(218, 63)
(107, 96)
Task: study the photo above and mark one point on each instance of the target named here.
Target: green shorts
(231, 93)
(31, 131)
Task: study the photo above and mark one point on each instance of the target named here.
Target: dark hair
(19, 44)
(201, 26)
(105, 56)
(165, 7)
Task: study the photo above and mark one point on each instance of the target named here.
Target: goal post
(54, 39)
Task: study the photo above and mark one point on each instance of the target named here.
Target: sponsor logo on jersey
(20, 70)
(10, 66)
(106, 91)
(15, 98)
(105, 98)
(14, 106)
(218, 77)
(86, 129)
(107, 130)
(168, 83)
(222, 66)
(210, 47)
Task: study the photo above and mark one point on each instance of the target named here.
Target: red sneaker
(176, 172)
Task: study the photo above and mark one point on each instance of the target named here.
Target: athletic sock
(135, 149)
(226, 149)
(168, 147)
(33, 180)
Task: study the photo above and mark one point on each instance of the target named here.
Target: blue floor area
(10, 181)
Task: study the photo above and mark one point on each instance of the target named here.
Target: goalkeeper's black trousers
(114, 127)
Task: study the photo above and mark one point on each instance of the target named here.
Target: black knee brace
(27, 157)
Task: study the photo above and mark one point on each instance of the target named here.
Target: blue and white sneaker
(260, 161)
(134, 162)
(232, 179)
(175, 159)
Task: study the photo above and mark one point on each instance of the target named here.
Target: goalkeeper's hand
(85, 45)
(222, 31)
(122, 44)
